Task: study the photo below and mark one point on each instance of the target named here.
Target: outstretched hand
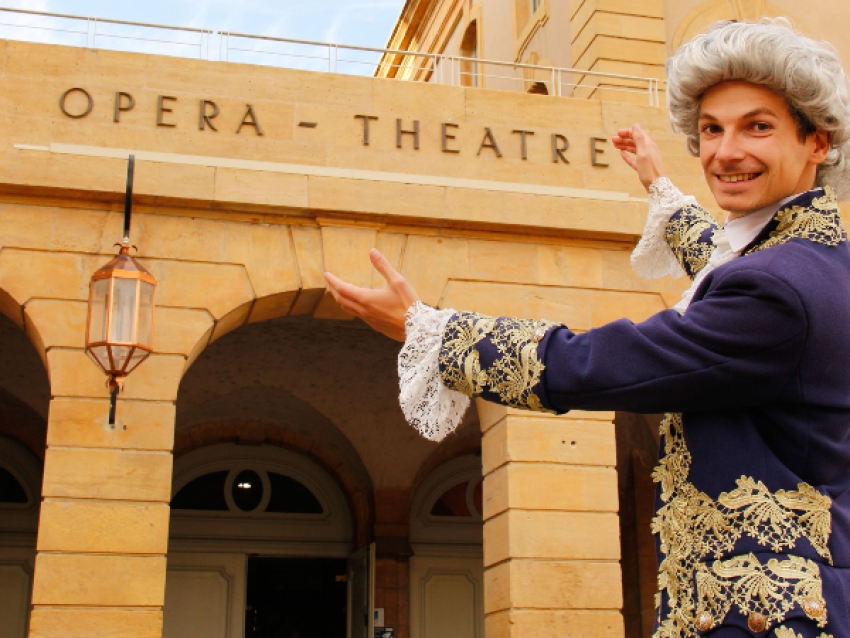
(382, 309)
(640, 152)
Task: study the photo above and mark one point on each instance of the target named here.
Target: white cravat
(741, 231)
(652, 257)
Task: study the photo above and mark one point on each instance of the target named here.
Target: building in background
(628, 38)
(260, 480)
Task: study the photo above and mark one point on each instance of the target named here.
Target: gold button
(756, 622)
(539, 333)
(704, 621)
(813, 607)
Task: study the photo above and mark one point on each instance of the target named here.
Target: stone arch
(25, 387)
(709, 12)
(217, 403)
(17, 313)
(467, 442)
(272, 271)
(427, 529)
(331, 523)
(470, 47)
(352, 480)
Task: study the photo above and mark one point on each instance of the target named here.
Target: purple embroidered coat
(753, 502)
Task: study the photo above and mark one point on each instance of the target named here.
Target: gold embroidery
(693, 528)
(684, 235)
(770, 590)
(516, 368)
(460, 363)
(820, 222)
(787, 632)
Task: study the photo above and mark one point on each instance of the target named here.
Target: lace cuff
(428, 405)
(652, 257)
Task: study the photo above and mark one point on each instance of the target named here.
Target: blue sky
(359, 22)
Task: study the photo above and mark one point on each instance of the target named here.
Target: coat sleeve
(678, 236)
(689, 234)
(749, 325)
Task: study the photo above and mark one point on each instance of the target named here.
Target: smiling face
(750, 148)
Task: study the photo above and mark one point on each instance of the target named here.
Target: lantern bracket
(128, 198)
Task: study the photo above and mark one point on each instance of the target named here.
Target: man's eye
(761, 127)
(710, 129)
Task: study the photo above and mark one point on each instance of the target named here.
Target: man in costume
(753, 506)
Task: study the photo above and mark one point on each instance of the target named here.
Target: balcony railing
(229, 46)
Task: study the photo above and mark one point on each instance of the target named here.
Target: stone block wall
(238, 228)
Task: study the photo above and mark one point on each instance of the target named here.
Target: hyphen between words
(208, 111)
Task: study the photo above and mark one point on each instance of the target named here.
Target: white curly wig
(807, 73)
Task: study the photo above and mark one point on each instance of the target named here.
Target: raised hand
(640, 152)
(382, 309)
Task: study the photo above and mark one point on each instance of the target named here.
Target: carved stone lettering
(366, 119)
(595, 151)
(560, 144)
(162, 109)
(120, 105)
(523, 144)
(89, 103)
(250, 119)
(399, 131)
(446, 137)
(205, 118)
(489, 142)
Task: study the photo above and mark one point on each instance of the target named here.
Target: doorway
(296, 597)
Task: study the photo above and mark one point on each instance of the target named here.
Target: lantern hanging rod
(128, 199)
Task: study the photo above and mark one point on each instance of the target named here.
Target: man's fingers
(382, 265)
(342, 290)
(621, 143)
(639, 137)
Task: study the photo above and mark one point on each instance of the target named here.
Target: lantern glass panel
(123, 321)
(99, 355)
(120, 354)
(136, 358)
(145, 314)
(99, 310)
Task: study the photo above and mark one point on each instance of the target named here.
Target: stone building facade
(260, 477)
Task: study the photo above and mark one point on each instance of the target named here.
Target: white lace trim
(428, 405)
(722, 254)
(652, 257)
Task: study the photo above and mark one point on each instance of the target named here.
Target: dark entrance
(296, 598)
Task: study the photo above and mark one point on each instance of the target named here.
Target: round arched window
(463, 500)
(11, 490)
(231, 497)
(447, 506)
(247, 490)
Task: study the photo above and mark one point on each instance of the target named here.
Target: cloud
(30, 5)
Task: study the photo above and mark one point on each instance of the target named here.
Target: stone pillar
(617, 36)
(103, 531)
(551, 533)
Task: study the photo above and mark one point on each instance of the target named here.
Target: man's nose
(730, 149)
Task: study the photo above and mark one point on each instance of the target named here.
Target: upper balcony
(220, 45)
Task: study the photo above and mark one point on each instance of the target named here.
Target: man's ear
(821, 147)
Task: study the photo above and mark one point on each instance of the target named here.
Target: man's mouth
(738, 177)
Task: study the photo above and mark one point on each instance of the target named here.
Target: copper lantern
(119, 330)
(120, 323)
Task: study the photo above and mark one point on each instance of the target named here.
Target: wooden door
(446, 597)
(16, 568)
(205, 596)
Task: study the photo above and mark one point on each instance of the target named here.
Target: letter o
(89, 106)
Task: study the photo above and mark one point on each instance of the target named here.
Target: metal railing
(85, 31)
(57, 28)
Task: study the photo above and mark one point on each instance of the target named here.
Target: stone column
(551, 533)
(103, 531)
(617, 36)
